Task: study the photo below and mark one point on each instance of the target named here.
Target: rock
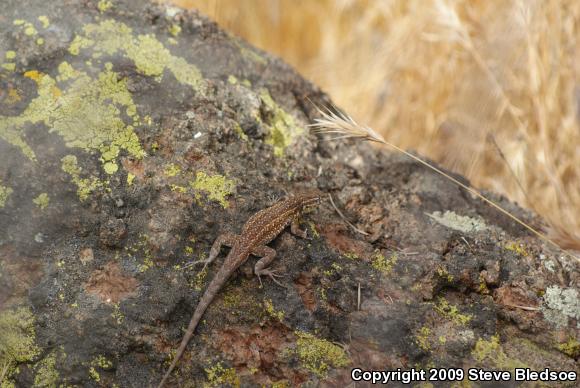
(131, 136)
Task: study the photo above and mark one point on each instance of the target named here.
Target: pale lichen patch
(460, 223)
(4, 194)
(42, 201)
(283, 128)
(560, 304)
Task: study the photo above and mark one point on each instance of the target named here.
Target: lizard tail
(217, 282)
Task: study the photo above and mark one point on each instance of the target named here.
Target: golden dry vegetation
(487, 88)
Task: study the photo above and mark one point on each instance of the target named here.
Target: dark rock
(132, 135)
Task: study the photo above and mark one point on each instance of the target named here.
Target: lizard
(258, 231)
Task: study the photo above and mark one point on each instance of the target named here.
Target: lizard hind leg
(267, 255)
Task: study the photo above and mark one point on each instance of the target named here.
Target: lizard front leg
(227, 239)
(295, 229)
(267, 255)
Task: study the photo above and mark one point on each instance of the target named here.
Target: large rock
(132, 135)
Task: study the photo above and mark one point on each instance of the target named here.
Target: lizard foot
(193, 263)
(273, 275)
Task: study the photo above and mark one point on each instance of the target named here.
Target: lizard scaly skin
(259, 230)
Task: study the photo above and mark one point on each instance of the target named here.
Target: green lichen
(4, 194)
(17, 341)
(46, 373)
(570, 347)
(283, 129)
(215, 187)
(451, 312)
(148, 54)
(218, 376)
(42, 201)
(86, 114)
(491, 353)
(318, 355)
(382, 264)
(85, 186)
(422, 338)
(560, 304)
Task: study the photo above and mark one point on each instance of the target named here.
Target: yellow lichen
(451, 312)
(269, 306)
(17, 341)
(93, 374)
(46, 373)
(422, 338)
(86, 114)
(42, 201)
(178, 189)
(380, 263)
(491, 353)
(85, 186)
(215, 187)
(43, 19)
(283, 129)
(218, 376)
(172, 170)
(10, 54)
(102, 362)
(518, 248)
(130, 179)
(442, 272)
(570, 348)
(104, 5)
(175, 29)
(318, 355)
(240, 132)
(149, 55)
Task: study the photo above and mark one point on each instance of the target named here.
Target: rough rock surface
(131, 135)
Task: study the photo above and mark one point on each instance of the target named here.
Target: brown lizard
(259, 230)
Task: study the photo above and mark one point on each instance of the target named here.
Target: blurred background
(487, 88)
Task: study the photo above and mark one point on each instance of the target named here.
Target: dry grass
(488, 88)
